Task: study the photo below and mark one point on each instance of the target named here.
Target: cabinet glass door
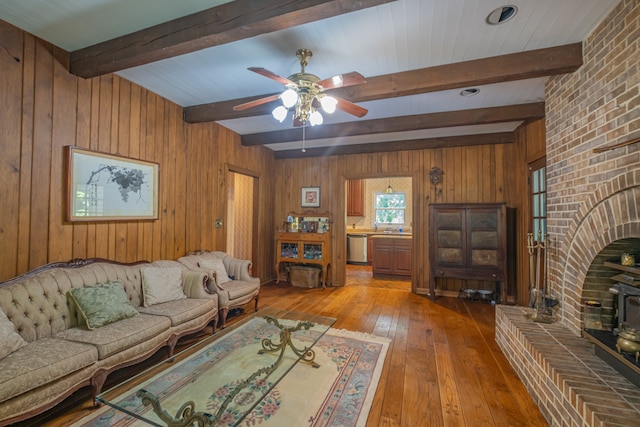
(288, 250)
(312, 251)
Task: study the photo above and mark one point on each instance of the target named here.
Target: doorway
(379, 217)
(242, 191)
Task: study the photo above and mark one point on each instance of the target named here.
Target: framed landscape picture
(105, 187)
(310, 197)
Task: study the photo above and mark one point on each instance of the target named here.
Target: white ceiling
(391, 38)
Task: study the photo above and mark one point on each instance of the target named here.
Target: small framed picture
(310, 197)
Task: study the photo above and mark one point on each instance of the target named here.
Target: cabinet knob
(441, 272)
(494, 276)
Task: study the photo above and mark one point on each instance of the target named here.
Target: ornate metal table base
(186, 416)
(268, 346)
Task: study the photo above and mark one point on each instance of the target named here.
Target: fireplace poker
(537, 299)
(530, 248)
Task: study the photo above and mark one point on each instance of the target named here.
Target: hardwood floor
(443, 368)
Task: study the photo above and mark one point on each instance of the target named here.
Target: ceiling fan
(305, 93)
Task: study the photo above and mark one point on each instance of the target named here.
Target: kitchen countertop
(393, 236)
(371, 233)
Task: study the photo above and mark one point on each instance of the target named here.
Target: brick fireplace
(593, 210)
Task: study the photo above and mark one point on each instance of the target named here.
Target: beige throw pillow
(10, 340)
(217, 266)
(161, 284)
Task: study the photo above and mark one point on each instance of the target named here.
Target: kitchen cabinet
(468, 242)
(304, 248)
(392, 255)
(369, 250)
(355, 197)
(402, 257)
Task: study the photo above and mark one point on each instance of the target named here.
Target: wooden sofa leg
(214, 324)
(96, 382)
(171, 342)
(223, 318)
(256, 308)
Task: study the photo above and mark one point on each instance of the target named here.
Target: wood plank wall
(478, 174)
(214, 150)
(528, 147)
(44, 108)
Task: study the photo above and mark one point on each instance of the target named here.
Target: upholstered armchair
(229, 277)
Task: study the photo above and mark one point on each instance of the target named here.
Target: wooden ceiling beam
(509, 113)
(413, 144)
(229, 22)
(517, 66)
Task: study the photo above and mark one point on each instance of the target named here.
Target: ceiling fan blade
(342, 80)
(350, 107)
(256, 102)
(272, 76)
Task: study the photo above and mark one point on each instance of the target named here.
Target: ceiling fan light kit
(328, 103)
(280, 113)
(289, 98)
(304, 92)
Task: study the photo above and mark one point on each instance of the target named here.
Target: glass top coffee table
(220, 380)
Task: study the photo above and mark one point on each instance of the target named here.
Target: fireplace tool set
(538, 298)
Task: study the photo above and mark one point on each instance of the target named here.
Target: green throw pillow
(102, 304)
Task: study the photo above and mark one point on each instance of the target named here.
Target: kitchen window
(389, 208)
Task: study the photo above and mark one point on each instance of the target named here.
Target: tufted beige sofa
(61, 357)
(233, 294)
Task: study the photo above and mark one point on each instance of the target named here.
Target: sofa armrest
(194, 284)
(240, 269)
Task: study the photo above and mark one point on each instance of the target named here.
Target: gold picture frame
(310, 197)
(106, 187)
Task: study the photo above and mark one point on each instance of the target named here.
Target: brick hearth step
(571, 385)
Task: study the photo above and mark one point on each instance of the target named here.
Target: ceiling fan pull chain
(304, 126)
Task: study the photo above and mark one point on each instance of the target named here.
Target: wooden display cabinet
(306, 247)
(469, 242)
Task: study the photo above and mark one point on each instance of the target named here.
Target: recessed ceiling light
(470, 92)
(502, 15)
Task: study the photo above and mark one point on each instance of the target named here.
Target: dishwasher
(356, 249)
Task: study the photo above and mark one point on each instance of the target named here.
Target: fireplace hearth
(571, 385)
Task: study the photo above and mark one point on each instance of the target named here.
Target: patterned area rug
(340, 393)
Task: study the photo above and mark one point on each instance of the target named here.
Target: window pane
(389, 208)
(390, 216)
(538, 199)
(393, 200)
